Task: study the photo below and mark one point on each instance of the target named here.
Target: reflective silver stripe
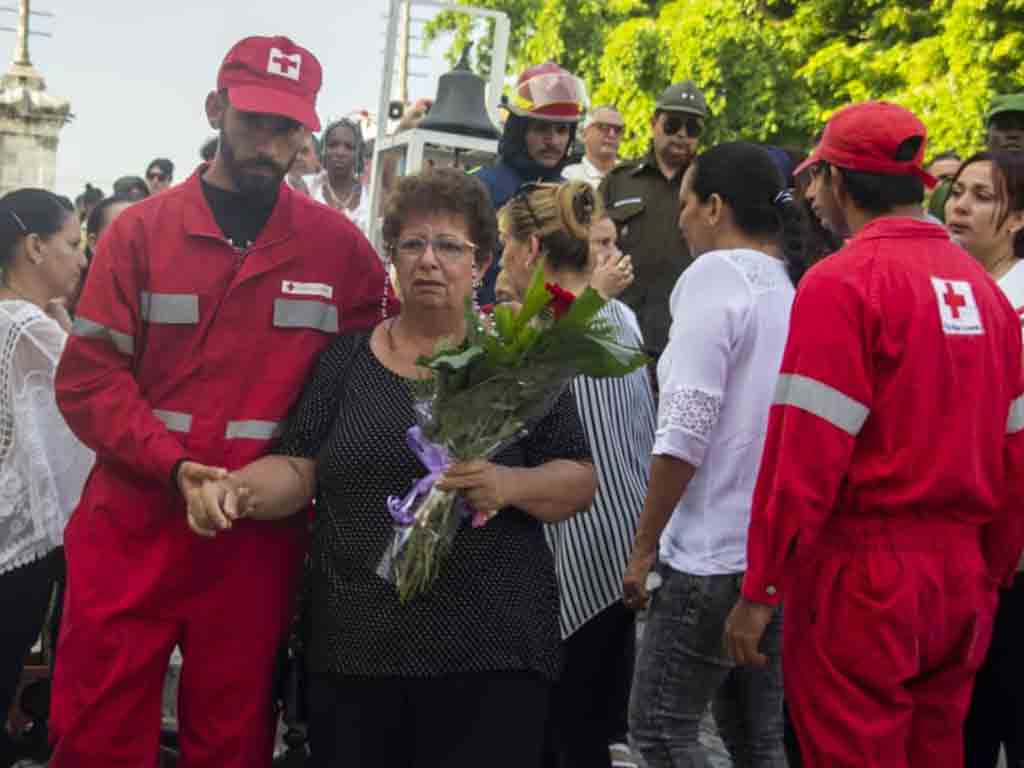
(87, 329)
(291, 313)
(176, 421)
(170, 308)
(253, 430)
(1015, 421)
(822, 400)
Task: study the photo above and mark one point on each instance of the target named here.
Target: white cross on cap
(284, 64)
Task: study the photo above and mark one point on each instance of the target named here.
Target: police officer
(642, 198)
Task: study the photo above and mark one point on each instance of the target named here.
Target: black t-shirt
(494, 606)
(240, 218)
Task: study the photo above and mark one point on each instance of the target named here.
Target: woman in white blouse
(730, 317)
(985, 216)
(42, 465)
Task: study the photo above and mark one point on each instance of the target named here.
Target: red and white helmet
(549, 93)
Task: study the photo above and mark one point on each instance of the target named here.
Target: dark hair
(746, 177)
(166, 167)
(1008, 180)
(877, 193)
(208, 149)
(97, 220)
(949, 154)
(359, 160)
(444, 191)
(91, 196)
(559, 215)
(30, 211)
(132, 187)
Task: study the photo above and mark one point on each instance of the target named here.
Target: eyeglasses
(445, 247)
(614, 130)
(157, 176)
(673, 123)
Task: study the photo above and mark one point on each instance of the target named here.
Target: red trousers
(885, 625)
(135, 590)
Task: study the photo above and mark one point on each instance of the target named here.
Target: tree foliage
(773, 70)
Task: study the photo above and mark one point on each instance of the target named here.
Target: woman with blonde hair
(552, 224)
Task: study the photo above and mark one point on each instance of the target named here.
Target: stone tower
(30, 120)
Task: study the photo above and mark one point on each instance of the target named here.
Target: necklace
(336, 200)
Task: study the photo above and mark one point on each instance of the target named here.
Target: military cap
(683, 97)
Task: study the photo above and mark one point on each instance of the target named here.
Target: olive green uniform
(645, 208)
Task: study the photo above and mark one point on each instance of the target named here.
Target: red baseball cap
(866, 137)
(273, 76)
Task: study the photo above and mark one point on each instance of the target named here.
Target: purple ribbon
(436, 459)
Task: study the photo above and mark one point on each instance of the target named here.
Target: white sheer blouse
(43, 466)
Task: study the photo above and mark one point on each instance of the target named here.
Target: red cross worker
(888, 508)
(205, 310)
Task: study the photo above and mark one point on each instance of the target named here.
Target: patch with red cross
(957, 309)
(284, 64)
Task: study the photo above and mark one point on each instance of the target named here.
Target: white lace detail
(43, 466)
(691, 410)
(756, 268)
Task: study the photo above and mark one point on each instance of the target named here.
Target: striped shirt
(591, 549)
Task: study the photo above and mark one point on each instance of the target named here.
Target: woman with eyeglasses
(562, 226)
(43, 466)
(459, 676)
(985, 216)
(730, 318)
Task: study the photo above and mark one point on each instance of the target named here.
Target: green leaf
(536, 299)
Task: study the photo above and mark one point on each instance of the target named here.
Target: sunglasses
(1008, 121)
(157, 176)
(673, 123)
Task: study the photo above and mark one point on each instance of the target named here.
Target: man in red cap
(888, 507)
(205, 310)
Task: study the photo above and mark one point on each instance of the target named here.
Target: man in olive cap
(642, 198)
(1005, 122)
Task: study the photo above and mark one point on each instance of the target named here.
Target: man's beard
(259, 188)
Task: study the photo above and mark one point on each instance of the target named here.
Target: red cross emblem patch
(958, 311)
(284, 64)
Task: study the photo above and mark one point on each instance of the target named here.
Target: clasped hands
(215, 500)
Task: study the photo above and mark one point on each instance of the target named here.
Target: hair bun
(578, 206)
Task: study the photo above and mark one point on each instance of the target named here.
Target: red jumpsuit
(185, 348)
(888, 506)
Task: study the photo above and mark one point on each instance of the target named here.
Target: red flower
(561, 299)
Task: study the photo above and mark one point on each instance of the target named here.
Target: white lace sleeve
(710, 306)
(44, 466)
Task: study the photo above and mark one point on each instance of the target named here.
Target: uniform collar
(901, 226)
(199, 220)
(649, 164)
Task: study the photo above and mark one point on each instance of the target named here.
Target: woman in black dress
(459, 676)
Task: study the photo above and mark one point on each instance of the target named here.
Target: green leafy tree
(774, 70)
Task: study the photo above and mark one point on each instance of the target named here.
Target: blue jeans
(682, 667)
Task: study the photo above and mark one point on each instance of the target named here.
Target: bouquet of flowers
(484, 394)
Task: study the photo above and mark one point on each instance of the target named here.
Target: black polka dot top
(494, 606)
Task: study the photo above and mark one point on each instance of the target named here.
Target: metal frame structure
(413, 145)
